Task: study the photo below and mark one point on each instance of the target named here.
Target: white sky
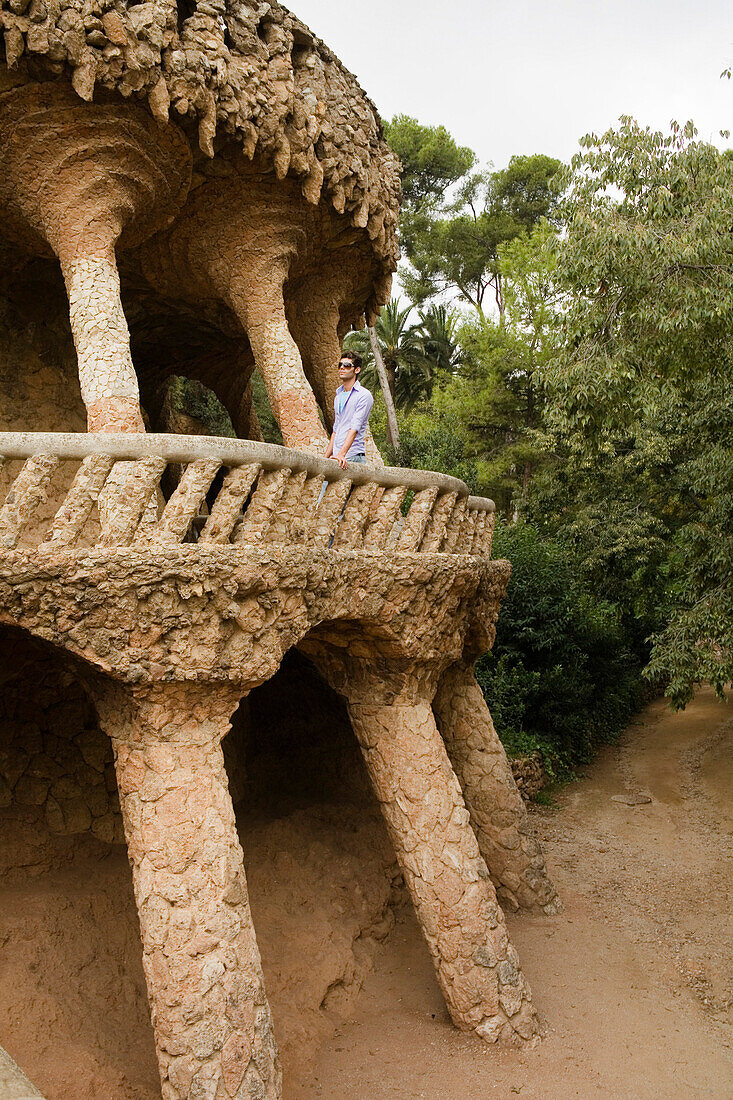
(533, 76)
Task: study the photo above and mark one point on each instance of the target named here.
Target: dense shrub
(562, 676)
(192, 398)
(427, 442)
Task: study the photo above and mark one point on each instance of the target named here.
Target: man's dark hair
(355, 358)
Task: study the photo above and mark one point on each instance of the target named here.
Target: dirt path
(633, 980)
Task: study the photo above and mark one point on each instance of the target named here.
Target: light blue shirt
(351, 409)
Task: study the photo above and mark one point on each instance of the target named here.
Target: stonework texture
(386, 632)
(268, 207)
(529, 775)
(456, 904)
(203, 190)
(56, 765)
(212, 1022)
(498, 813)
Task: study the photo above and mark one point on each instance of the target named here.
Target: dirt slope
(633, 979)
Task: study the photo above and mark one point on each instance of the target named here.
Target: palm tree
(439, 336)
(400, 343)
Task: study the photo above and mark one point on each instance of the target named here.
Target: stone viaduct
(202, 189)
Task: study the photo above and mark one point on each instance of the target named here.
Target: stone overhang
(229, 613)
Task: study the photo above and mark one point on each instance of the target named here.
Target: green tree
(696, 643)
(641, 387)
(529, 190)
(496, 397)
(455, 219)
(431, 161)
(561, 677)
(439, 335)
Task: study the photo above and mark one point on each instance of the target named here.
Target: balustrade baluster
(374, 507)
(329, 511)
(465, 543)
(73, 514)
(478, 535)
(305, 514)
(29, 489)
(350, 531)
(416, 520)
(184, 503)
(282, 521)
(488, 536)
(437, 524)
(388, 510)
(230, 501)
(261, 508)
(454, 526)
(128, 498)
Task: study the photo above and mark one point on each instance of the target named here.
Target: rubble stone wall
(529, 775)
(57, 774)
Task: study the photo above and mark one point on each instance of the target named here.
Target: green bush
(562, 676)
(192, 398)
(426, 443)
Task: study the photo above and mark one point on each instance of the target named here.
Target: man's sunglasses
(346, 363)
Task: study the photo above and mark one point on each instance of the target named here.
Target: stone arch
(292, 744)
(202, 343)
(389, 693)
(322, 877)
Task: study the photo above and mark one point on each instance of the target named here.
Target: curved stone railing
(232, 491)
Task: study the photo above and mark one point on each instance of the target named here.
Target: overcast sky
(533, 76)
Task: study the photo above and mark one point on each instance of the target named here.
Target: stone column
(255, 292)
(83, 178)
(213, 1029)
(498, 814)
(107, 377)
(314, 314)
(477, 967)
(237, 242)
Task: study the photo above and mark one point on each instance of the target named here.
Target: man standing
(351, 408)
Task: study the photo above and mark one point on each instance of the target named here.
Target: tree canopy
(642, 379)
(581, 373)
(455, 217)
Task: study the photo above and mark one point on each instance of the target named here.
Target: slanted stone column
(498, 814)
(237, 242)
(107, 377)
(477, 967)
(213, 1029)
(314, 315)
(255, 292)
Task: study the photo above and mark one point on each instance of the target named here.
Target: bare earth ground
(633, 981)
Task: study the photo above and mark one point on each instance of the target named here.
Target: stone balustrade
(232, 492)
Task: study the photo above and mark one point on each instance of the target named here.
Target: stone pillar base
(498, 813)
(477, 967)
(213, 1028)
